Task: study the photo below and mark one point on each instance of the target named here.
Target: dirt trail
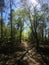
(29, 56)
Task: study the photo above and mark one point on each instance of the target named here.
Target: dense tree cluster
(35, 18)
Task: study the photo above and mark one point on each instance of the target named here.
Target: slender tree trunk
(1, 24)
(48, 35)
(36, 37)
(45, 34)
(20, 34)
(11, 17)
(42, 35)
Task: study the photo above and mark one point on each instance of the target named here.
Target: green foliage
(23, 13)
(37, 25)
(45, 7)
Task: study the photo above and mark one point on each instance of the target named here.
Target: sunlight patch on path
(25, 44)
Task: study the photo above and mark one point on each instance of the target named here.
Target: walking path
(32, 57)
(29, 56)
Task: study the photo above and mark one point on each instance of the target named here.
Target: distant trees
(18, 17)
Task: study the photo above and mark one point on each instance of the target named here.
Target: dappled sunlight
(24, 32)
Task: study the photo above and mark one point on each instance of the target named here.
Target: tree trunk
(20, 34)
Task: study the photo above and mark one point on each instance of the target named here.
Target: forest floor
(30, 58)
